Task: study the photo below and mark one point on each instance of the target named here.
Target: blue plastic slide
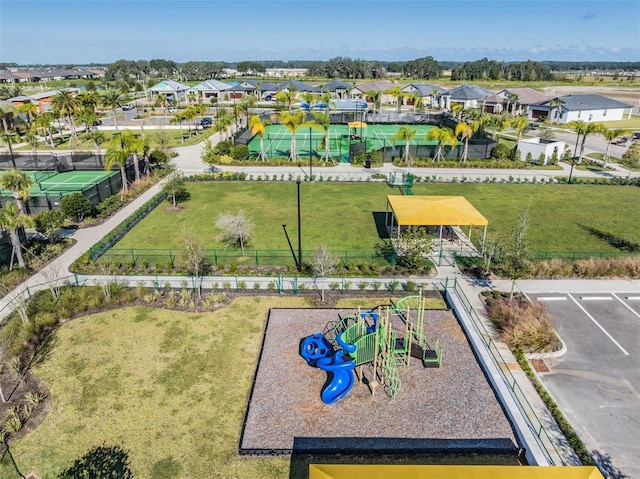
(340, 377)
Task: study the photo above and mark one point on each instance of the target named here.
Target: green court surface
(47, 182)
(277, 140)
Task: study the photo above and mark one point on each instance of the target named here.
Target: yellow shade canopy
(371, 471)
(434, 211)
(357, 124)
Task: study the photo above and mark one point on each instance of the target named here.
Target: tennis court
(277, 140)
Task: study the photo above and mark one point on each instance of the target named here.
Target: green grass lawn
(561, 218)
(169, 388)
(83, 143)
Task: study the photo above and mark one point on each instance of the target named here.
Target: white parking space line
(633, 298)
(551, 298)
(626, 305)
(596, 298)
(599, 325)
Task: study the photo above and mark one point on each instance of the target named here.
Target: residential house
(469, 96)
(360, 91)
(518, 100)
(172, 89)
(585, 107)
(208, 89)
(337, 88)
(429, 93)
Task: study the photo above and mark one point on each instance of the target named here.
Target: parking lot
(596, 382)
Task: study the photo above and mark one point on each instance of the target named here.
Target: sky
(102, 31)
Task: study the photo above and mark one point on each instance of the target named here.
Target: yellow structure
(373, 471)
(432, 211)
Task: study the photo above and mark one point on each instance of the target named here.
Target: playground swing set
(370, 338)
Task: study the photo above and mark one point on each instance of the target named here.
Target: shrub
(109, 206)
(501, 151)
(523, 325)
(240, 152)
(76, 207)
(49, 224)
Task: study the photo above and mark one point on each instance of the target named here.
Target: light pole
(310, 158)
(299, 232)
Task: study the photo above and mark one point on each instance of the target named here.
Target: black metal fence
(69, 161)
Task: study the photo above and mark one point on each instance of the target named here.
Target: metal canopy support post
(484, 239)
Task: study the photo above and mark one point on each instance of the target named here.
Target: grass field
(342, 216)
(170, 388)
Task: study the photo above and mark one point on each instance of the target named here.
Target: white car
(127, 107)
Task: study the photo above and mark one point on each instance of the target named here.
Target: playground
(277, 140)
(444, 405)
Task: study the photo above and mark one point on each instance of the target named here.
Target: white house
(588, 108)
(429, 93)
(470, 96)
(537, 146)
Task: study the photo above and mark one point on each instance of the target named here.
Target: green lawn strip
(561, 218)
(84, 143)
(169, 387)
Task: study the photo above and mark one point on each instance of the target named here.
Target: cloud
(588, 16)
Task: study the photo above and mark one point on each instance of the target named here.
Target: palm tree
(323, 123)
(134, 145)
(557, 102)
(610, 135)
(98, 139)
(292, 121)
(67, 105)
(286, 97)
(444, 136)
(29, 109)
(19, 184)
(514, 97)
(465, 131)
(12, 219)
(88, 99)
(374, 96)
(87, 117)
(307, 97)
(597, 128)
(45, 121)
(117, 154)
(405, 134)
(457, 108)
(258, 128)
(4, 111)
(396, 93)
(179, 118)
(112, 99)
(520, 124)
(434, 95)
(223, 122)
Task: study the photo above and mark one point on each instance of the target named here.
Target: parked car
(206, 122)
(172, 109)
(127, 107)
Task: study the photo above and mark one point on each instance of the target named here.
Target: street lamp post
(310, 158)
(299, 232)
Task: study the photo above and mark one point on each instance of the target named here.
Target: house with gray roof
(337, 88)
(518, 100)
(170, 88)
(470, 96)
(297, 85)
(208, 89)
(428, 92)
(585, 107)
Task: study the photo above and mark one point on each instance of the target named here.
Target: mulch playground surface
(452, 408)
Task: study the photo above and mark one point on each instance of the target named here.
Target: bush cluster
(621, 267)
(522, 325)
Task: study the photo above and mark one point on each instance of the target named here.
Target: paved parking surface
(596, 382)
